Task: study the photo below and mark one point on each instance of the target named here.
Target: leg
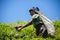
(45, 34)
(38, 29)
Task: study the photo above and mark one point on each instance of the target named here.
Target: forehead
(31, 11)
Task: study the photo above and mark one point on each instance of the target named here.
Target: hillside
(8, 32)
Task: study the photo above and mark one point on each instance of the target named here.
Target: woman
(37, 23)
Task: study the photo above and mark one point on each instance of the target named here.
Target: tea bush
(8, 32)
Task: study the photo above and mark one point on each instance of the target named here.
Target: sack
(48, 23)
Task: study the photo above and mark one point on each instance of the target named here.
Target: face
(32, 13)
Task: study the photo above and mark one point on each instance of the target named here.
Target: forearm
(29, 23)
(20, 27)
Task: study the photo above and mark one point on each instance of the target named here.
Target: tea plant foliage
(8, 32)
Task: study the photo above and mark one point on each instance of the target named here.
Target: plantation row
(8, 32)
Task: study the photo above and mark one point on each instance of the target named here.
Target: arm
(29, 23)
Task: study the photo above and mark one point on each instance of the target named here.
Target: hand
(18, 28)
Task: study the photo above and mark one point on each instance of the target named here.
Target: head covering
(34, 9)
